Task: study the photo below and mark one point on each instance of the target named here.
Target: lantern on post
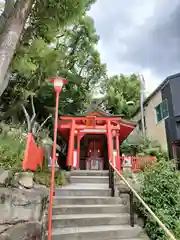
(58, 83)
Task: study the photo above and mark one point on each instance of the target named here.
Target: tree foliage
(121, 90)
(44, 20)
(59, 39)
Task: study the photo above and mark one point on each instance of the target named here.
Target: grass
(12, 149)
(44, 178)
(11, 152)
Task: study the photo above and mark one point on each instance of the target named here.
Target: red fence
(137, 163)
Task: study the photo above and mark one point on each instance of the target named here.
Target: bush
(11, 152)
(44, 177)
(12, 149)
(160, 189)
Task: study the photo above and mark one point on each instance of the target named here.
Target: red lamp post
(58, 83)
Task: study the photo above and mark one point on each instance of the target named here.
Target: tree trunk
(10, 36)
(5, 82)
(9, 5)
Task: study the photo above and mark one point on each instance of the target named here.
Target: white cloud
(139, 36)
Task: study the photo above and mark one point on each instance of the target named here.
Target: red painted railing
(137, 163)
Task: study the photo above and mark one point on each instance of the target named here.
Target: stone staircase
(85, 210)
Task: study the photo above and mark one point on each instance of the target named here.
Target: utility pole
(142, 98)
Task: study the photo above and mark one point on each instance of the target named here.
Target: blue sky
(139, 36)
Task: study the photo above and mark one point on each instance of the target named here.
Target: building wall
(175, 105)
(170, 123)
(175, 89)
(168, 130)
(154, 131)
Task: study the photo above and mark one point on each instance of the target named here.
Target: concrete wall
(154, 131)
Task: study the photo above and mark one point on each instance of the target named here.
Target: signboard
(93, 130)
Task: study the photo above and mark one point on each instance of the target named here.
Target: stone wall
(23, 207)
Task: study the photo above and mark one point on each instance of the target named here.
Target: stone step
(82, 192)
(105, 232)
(85, 200)
(86, 186)
(83, 220)
(87, 209)
(89, 173)
(89, 179)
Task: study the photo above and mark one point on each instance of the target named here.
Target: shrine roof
(126, 126)
(99, 114)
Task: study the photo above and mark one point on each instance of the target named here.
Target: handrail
(111, 180)
(168, 233)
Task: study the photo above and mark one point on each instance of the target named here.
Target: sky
(139, 36)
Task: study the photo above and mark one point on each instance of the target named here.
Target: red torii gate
(73, 128)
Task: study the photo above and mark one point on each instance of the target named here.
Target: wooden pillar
(118, 163)
(109, 141)
(78, 150)
(114, 162)
(71, 145)
(75, 151)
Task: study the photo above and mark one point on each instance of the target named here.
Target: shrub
(44, 177)
(11, 152)
(127, 174)
(12, 149)
(160, 189)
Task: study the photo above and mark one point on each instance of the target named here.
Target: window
(159, 116)
(165, 112)
(162, 111)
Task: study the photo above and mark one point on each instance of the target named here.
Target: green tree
(45, 18)
(121, 90)
(70, 54)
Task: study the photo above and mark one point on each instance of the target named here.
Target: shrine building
(94, 140)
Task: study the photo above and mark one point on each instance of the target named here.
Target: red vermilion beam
(71, 145)
(53, 169)
(109, 139)
(78, 150)
(82, 127)
(87, 118)
(118, 164)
